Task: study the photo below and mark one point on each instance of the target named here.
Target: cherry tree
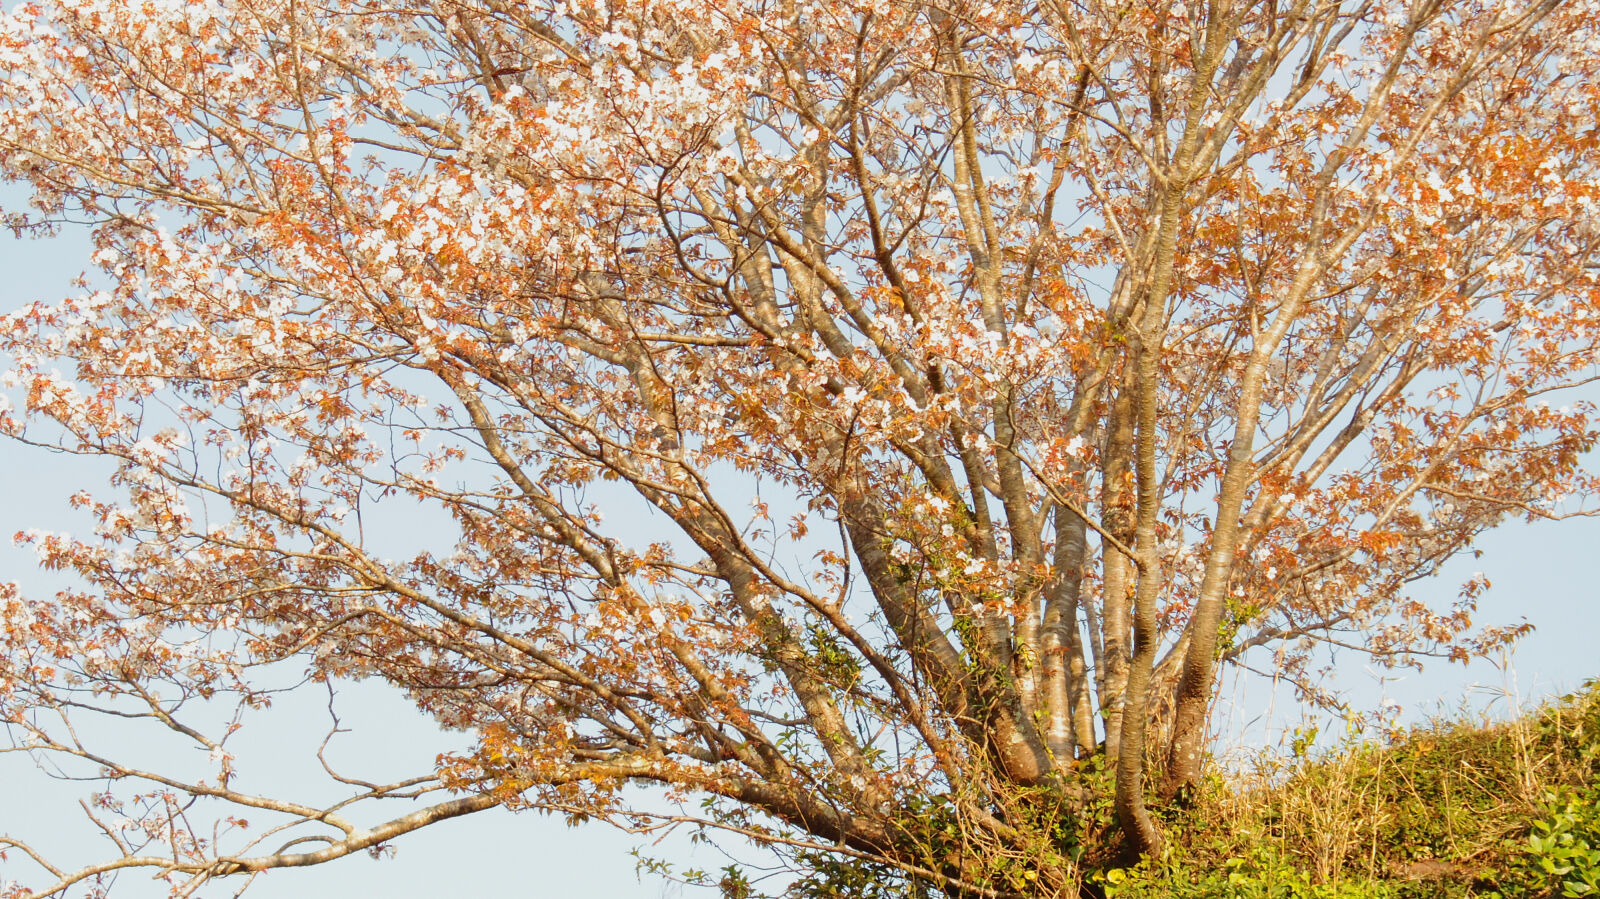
(986, 377)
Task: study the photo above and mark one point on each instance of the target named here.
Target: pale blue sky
(1545, 573)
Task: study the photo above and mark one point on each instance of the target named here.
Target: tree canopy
(872, 423)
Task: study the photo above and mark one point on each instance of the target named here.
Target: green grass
(1453, 809)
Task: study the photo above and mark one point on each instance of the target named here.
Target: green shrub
(1448, 811)
(1563, 850)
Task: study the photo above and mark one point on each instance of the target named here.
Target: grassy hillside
(1450, 810)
